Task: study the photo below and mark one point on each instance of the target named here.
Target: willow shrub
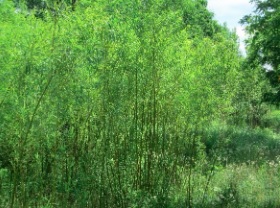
(102, 106)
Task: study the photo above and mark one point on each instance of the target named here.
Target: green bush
(237, 144)
(272, 120)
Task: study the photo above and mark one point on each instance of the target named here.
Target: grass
(236, 185)
(247, 167)
(241, 144)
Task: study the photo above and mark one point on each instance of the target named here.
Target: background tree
(199, 20)
(264, 42)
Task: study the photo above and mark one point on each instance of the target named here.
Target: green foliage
(107, 105)
(263, 45)
(245, 186)
(249, 104)
(263, 26)
(199, 20)
(272, 120)
(241, 145)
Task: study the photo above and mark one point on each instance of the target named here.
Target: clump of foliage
(263, 44)
(272, 120)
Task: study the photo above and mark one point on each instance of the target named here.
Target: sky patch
(230, 12)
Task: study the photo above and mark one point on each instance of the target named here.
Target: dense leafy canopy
(106, 103)
(264, 45)
(264, 26)
(199, 20)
